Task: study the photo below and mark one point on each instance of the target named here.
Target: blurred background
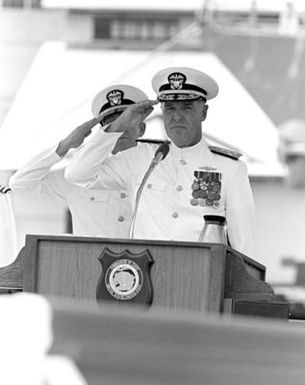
(55, 55)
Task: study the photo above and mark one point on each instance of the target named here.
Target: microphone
(160, 154)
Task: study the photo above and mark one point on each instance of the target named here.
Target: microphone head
(163, 149)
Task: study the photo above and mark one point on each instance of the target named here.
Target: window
(12, 3)
(102, 29)
(137, 29)
(20, 3)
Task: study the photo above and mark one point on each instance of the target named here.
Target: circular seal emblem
(124, 279)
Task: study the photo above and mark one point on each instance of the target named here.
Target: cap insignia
(176, 80)
(115, 97)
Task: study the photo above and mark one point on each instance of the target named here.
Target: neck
(192, 144)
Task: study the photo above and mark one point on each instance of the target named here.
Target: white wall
(280, 215)
(21, 34)
(36, 25)
(37, 216)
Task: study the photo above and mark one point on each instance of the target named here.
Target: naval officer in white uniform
(95, 212)
(193, 180)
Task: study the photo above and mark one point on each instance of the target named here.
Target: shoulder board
(225, 152)
(153, 141)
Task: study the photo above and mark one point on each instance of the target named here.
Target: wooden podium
(184, 275)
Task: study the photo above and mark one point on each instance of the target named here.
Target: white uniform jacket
(168, 209)
(94, 212)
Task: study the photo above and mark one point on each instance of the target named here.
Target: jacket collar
(198, 151)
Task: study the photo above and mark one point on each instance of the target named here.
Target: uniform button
(92, 198)
(183, 162)
(121, 218)
(123, 195)
(149, 185)
(175, 215)
(179, 188)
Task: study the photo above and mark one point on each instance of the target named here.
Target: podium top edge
(152, 242)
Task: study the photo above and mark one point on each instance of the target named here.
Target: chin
(180, 144)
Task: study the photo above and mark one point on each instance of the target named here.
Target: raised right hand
(132, 116)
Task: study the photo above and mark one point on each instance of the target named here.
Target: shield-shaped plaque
(125, 277)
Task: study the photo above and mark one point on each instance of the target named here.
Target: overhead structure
(56, 96)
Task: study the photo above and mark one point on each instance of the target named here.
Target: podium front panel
(184, 275)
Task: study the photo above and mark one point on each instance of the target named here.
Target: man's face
(182, 121)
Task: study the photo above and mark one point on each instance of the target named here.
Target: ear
(205, 108)
(142, 128)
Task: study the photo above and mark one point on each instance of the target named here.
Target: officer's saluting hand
(132, 116)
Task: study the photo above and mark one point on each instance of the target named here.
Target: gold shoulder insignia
(225, 152)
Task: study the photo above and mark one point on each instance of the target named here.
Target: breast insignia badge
(207, 168)
(125, 277)
(206, 189)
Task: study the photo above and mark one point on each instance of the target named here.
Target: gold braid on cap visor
(180, 97)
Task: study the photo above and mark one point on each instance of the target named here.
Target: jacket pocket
(153, 197)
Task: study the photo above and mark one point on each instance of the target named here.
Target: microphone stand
(159, 155)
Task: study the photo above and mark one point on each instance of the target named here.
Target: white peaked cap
(180, 83)
(116, 98)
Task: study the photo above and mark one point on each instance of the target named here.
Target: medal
(194, 202)
(206, 189)
(202, 202)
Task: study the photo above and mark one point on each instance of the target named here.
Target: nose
(177, 115)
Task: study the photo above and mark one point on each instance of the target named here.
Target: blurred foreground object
(127, 346)
(291, 151)
(26, 325)
(26, 337)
